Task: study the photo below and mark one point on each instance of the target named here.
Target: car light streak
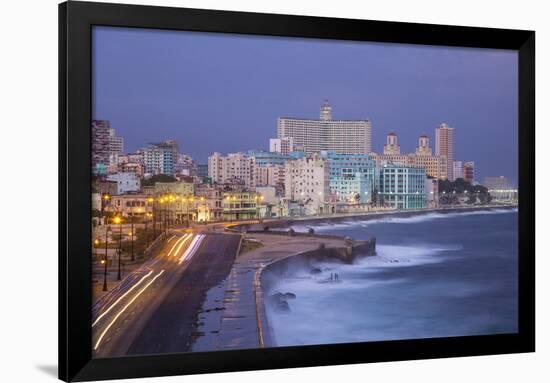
(176, 244)
(187, 237)
(171, 238)
(122, 297)
(192, 248)
(124, 309)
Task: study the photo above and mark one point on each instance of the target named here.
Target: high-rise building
(444, 146)
(392, 147)
(468, 171)
(283, 145)
(402, 186)
(326, 134)
(101, 148)
(458, 170)
(160, 158)
(116, 142)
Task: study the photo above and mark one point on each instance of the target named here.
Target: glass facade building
(402, 186)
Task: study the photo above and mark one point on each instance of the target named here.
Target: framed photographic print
(249, 191)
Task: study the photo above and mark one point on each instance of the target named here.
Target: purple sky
(220, 92)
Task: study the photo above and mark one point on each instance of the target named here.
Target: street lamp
(117, 220)
(105, 258)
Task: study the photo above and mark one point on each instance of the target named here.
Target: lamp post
(118, 221)
(105, 258)
(96, 244)
(104, 201)
(132, 236)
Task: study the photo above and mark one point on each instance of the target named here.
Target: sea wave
(399, 220)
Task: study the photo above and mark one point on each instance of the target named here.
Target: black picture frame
(75, 350)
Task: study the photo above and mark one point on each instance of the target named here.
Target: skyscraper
(326, 134)
(444, 146)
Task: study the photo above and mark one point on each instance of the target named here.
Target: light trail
(121, 297)
(192, 248)
(171, 238)
(187, 237)
(176, 244)
(124, 309)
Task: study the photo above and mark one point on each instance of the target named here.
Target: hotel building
(436, 166)
(326, 134)
(444, 146)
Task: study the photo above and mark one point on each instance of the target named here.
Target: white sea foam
(399, 220)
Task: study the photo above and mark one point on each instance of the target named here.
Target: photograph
(253, 191)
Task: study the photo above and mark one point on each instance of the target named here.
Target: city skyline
(188, 102)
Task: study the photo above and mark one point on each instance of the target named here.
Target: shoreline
(291, 221)
(307, 257)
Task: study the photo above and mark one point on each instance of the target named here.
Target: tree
(158, 178)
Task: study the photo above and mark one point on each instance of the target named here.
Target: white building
(458, 170)
(339, 136)
(283, 145)
(126, 182)
(432, 192)
(307, 181)
(233, 166)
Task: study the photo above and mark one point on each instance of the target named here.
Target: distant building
(126, 182)
(116, 143)
(100, 146)
(178, 189)
(444, 146)
(458, 169)
(161, 157)
(392, 147)
(402, 186)
(283, 145)
(469, 171)
(307, 181)
(496, 182)
(432, 192)
(202, 170)
(185, 165)
(325, 133)
(352, 176)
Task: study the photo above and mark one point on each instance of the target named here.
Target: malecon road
(153, 310)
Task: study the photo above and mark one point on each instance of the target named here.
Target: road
(154, 309)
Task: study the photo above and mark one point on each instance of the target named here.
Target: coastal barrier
(267, 275)
(280, 223)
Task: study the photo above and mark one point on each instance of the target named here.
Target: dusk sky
(220, 92)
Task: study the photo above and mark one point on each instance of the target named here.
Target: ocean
(434, 275)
